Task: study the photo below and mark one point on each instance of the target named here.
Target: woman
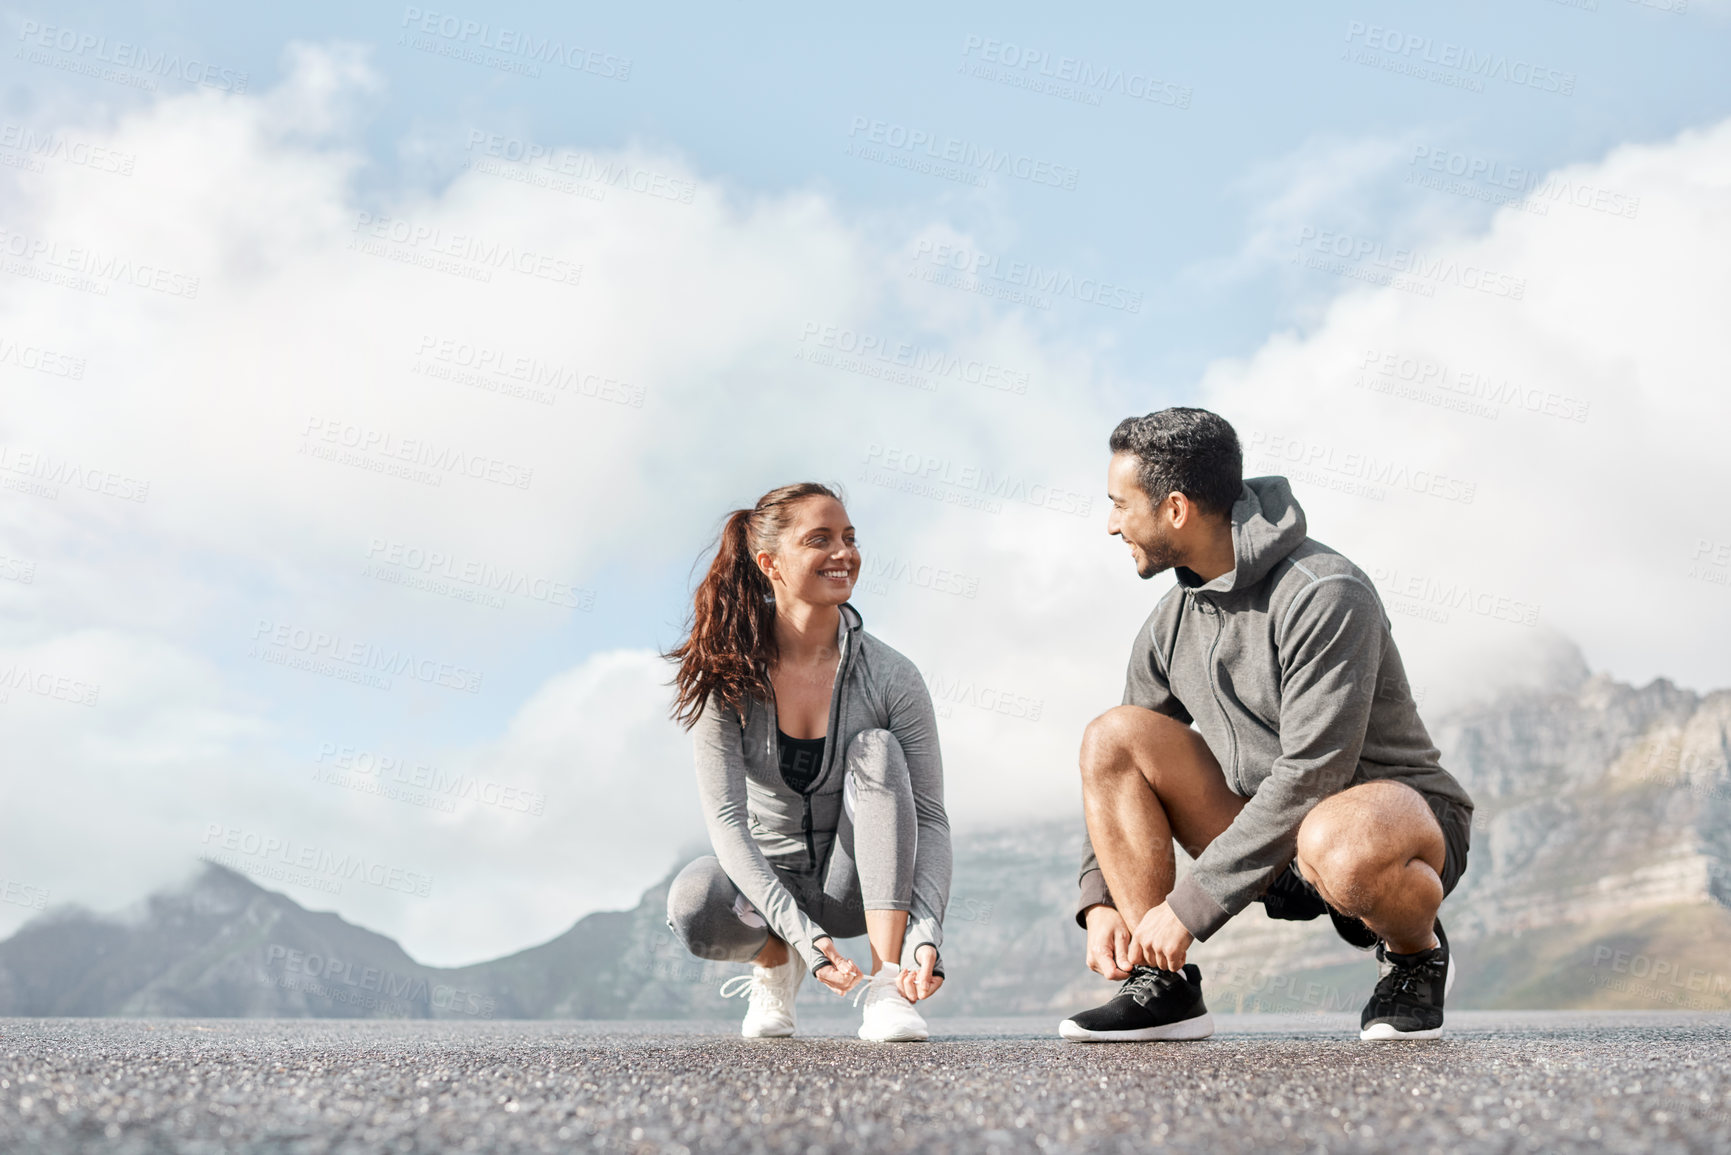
(819, 776)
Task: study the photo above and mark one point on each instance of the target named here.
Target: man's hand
(1108, 942)
(1160, 940)
(842, 973)
(921, 983)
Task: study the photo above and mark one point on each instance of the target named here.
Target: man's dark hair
(1190, 451)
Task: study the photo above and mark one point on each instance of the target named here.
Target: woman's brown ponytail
(731, 644)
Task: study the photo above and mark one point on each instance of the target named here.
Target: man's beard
(1158, 555)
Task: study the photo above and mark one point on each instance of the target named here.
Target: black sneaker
(1408, 1000)
(1152, 1004)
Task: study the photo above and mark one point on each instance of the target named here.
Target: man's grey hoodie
(1287, 667)
(756, 819)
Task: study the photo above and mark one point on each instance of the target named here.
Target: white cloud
(705, 306)
(1594, 521)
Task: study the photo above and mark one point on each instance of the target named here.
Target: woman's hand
(920, 983)
(842, 973)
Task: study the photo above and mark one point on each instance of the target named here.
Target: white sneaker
(889, 1018)
(769, 1014)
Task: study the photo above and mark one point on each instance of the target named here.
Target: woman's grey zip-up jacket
(754, 817)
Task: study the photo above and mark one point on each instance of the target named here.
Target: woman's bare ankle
(773, 954)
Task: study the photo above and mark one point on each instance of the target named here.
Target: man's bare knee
(1126, 735)
(1108, 744)
(1349, 840)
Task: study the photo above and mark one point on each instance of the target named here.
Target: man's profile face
(1136, 520)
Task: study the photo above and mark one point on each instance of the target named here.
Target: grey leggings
(870, 865)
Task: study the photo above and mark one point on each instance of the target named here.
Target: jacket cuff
(814, 958)
(1196, 909)
(921, 932)
(1094, 893)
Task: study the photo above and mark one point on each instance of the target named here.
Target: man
(1308, 783)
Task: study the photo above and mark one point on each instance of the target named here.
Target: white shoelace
(751, 987)
(864, 986)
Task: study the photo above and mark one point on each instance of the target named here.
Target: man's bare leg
(1375, 852)
(1145, 779)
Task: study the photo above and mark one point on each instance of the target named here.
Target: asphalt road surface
(1498, 1082)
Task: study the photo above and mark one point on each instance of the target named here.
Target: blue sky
(1245, 180)
(761, 98)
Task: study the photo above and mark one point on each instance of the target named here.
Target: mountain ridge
(1599, 876)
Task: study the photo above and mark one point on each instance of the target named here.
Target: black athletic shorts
(1290, 896)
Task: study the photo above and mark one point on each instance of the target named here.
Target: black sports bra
(801, 759)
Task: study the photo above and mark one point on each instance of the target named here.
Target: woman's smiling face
(816, 560)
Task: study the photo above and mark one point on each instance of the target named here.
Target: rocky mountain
(1598, 877)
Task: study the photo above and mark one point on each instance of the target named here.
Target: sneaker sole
(902, 1037)
(787, 1034)
(1383, 1031)
(1199, 1027)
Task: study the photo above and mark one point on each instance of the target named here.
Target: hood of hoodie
(1267, 524)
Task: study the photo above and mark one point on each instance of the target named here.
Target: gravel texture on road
(1497, 1082)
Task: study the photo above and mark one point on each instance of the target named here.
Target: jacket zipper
(843, 664)
(837, 689)
(1213, 611)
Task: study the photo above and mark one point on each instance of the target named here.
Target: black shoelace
(1145, 983)
(1411, 980)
